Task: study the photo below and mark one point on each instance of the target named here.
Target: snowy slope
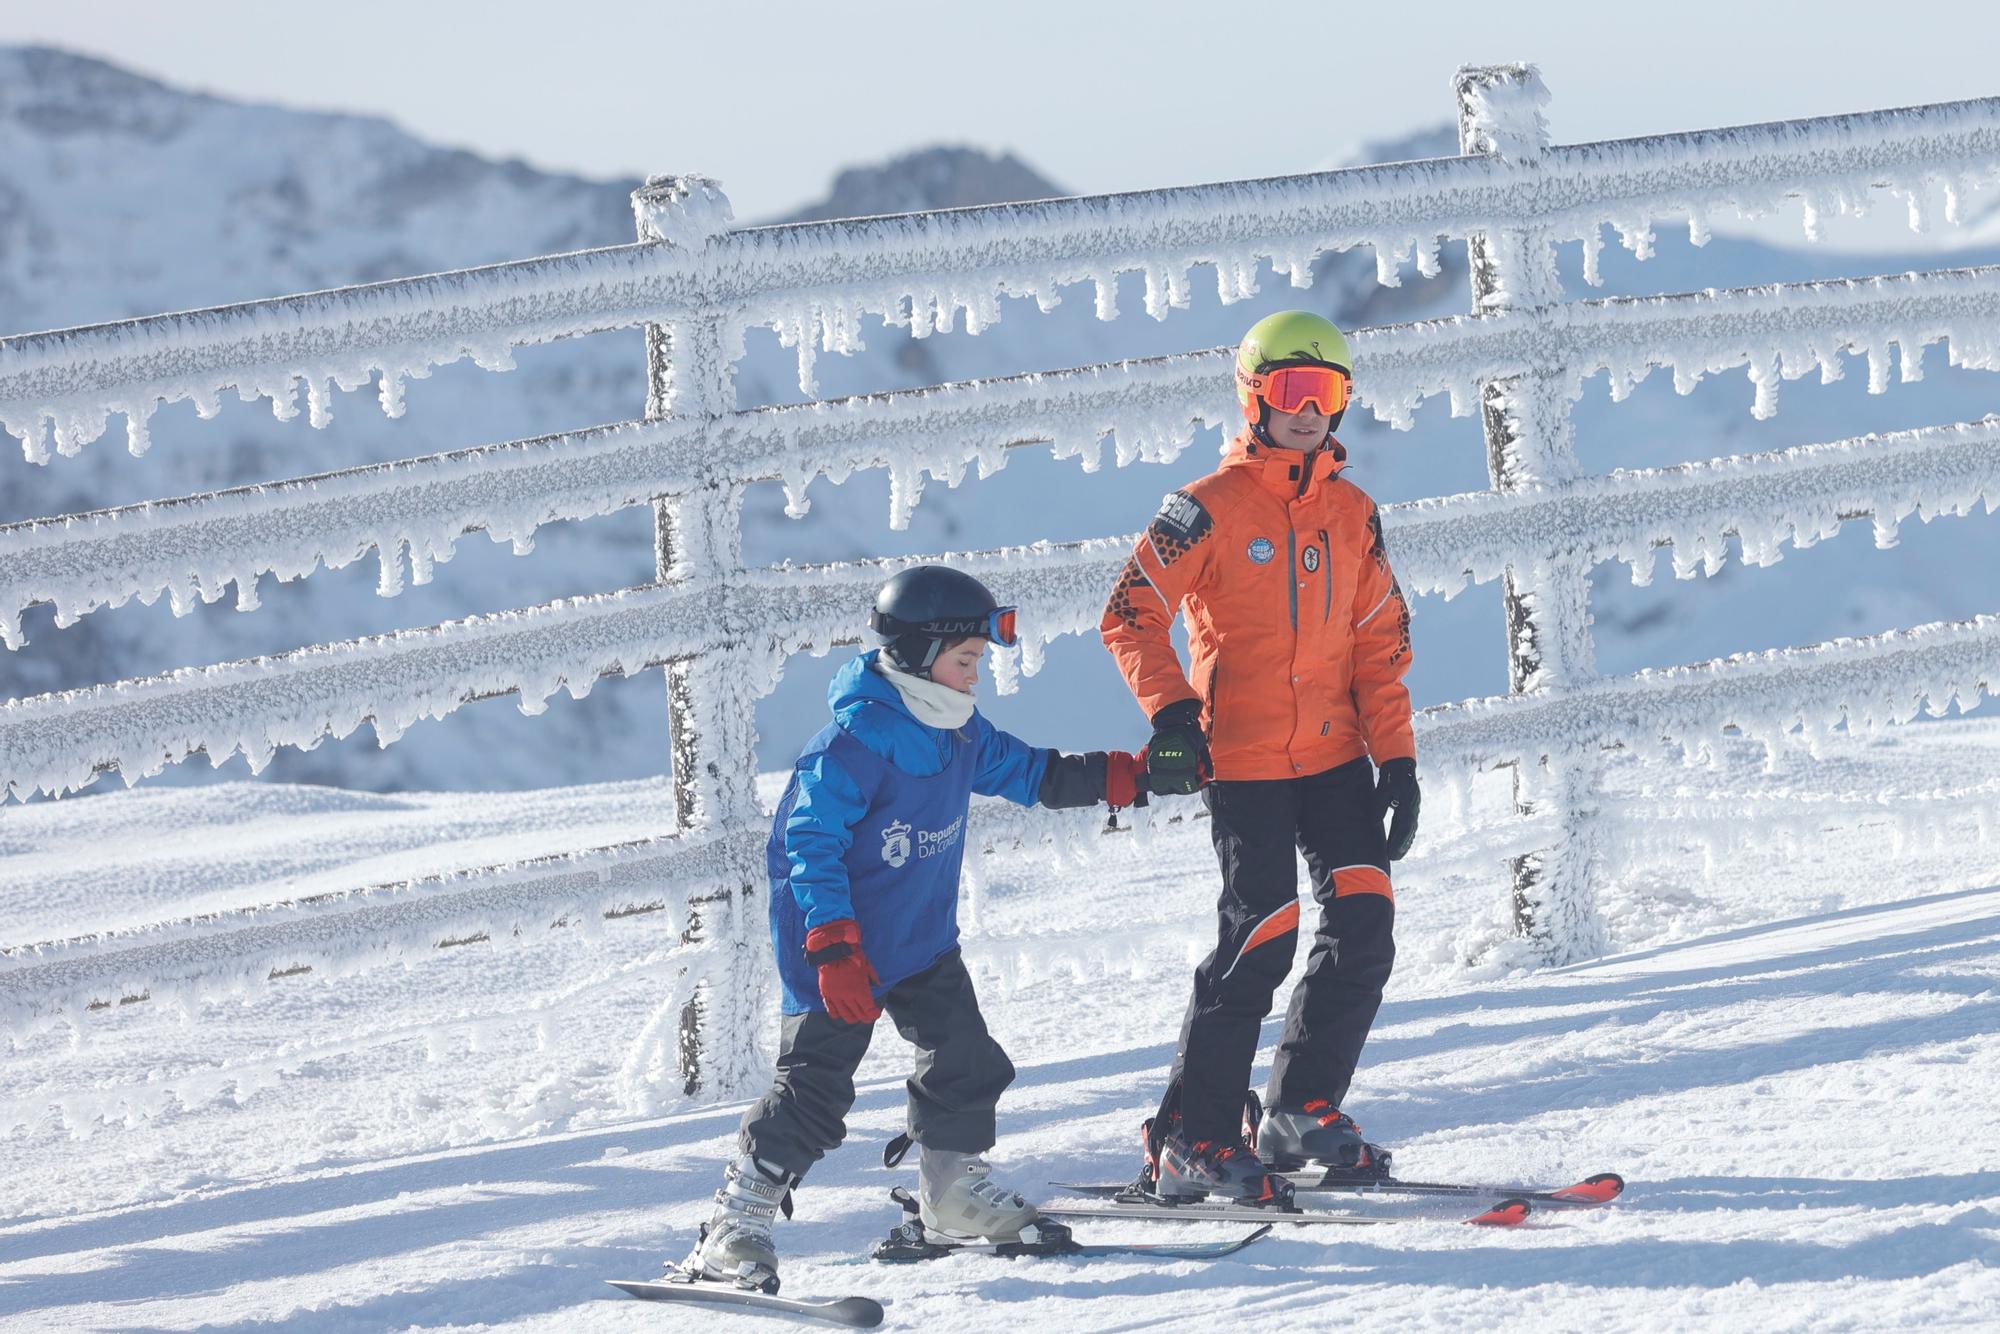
(1794, 1064)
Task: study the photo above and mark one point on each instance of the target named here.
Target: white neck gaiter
(930, 703)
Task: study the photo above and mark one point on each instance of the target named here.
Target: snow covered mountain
(120, 196)
(942, 177)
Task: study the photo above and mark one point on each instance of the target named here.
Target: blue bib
(902, 867)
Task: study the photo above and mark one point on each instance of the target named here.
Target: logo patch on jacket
(1311, 559)
(896, 843)
(1182, 517)
(1261, 550)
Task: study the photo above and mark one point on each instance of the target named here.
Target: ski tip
(1600, 1189)
(1507, 1213)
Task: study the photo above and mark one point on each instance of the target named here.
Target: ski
(1592, 1191)
(1506, 1213)
(677, 1286)
(1588, 1193)
(911, 1241)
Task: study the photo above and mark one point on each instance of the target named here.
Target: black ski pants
(961, 1072)
(1331, 818)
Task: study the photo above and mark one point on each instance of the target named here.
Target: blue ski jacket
(872, 829)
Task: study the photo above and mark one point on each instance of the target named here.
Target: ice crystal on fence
(814, 283)
(1150, 409)
(817, 286)
(685, 211)
(194, 960)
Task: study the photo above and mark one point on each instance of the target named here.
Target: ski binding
(910, 1241)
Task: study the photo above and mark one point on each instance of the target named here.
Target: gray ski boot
(735, 1244)
(958, 1199)
(1318, 1135)
(1207, 1169)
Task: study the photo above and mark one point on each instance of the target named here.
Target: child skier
(1300, 638)
(864, 859)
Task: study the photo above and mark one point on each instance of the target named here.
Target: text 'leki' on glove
(1177, 759)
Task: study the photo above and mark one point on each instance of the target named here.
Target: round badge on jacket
(1261, 550)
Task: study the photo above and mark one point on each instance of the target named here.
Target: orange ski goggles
(1288, 388)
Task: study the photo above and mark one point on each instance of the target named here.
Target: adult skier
(1299, 638)
(864, 858)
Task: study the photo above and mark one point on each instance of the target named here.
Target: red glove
(1124, 779)
(845, 975)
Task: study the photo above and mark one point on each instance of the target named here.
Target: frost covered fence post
(698, 531)
(1530, 441)
(710, 699)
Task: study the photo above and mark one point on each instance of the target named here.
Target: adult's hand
(1396, 790)
(1177, 760)
(846, 978)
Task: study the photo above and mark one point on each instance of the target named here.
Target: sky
(773, 98)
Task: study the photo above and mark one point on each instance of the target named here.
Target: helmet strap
(913, 653)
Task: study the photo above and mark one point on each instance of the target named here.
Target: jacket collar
(1278, 470)
(871, 710)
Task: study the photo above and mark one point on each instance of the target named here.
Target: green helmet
(1291, 337)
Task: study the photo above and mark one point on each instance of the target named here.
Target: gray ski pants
(961, 1072)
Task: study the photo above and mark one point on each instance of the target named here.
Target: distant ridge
(926, 178)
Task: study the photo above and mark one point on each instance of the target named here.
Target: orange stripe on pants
(1362, 880)
(1282, 922)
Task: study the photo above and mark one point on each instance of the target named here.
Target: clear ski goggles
(1288, 388)
(997, 625)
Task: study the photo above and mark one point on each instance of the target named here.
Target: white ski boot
(959, 1201)
(735, 1244)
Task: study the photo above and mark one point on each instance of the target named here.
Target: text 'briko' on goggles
(997, 625)
(1289, 388)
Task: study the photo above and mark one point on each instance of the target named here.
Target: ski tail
(1507, 1213)
(1600, 1189)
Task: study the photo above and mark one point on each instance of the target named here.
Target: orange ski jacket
(1298, 632)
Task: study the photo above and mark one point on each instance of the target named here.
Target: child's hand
(846, 978)
(1124, 779)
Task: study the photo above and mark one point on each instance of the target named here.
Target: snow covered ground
(1792, 1058)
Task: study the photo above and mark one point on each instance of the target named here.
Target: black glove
(1086, 780)
(1177, 757)
(1396, 790)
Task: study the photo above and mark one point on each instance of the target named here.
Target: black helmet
(927, 606)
